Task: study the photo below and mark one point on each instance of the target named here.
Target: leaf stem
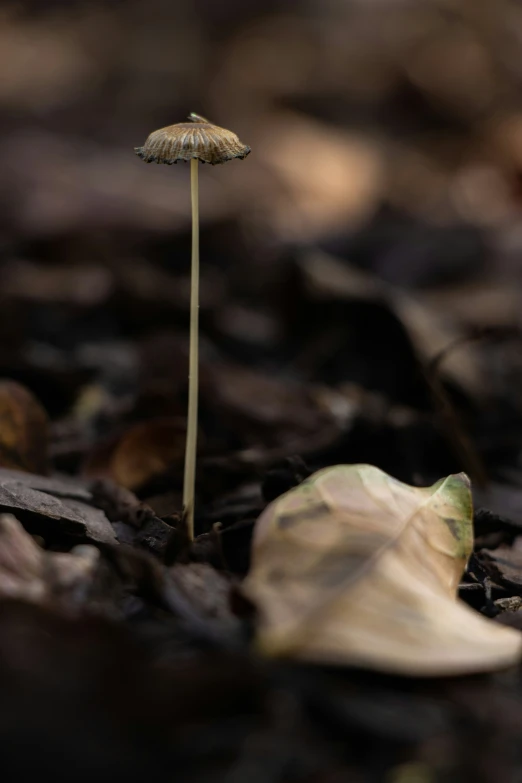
(189, 478)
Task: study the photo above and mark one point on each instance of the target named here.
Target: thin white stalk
(189, 479)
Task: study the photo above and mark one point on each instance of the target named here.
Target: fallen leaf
(134, 522)
(24, 429)
(58, 486)
(430, 332)
(271, 412)
(22, 566)
(478, 303)
(503, 565)
(356, 568)
(339, 186)
(29, 573)
(73, 575)
(206, 592)
(504, 500)
(146, 450)
(54, 508)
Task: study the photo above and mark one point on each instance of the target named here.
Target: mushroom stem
(189, 479)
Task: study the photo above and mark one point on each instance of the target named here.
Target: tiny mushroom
(197, 140)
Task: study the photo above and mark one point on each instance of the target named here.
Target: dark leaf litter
(124, 645)
(377, 322)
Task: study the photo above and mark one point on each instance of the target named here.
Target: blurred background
(361, 269)
(361, 301)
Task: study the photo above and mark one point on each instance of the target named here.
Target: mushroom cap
(198, 139)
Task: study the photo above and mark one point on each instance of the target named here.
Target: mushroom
(197, 140)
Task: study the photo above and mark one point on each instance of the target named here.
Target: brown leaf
(134, 522)
(429, 331)
(504, 500)
(24, 429)
(55, 508)
(30, 573)
(72, 575)
(147, 450)
(354, 567)
(339, 185)
(22, 566)
(58, 486)
(503, 565)
(270, 412)
(206, 591)
(143, 452)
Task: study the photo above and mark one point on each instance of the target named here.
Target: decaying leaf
(430, 334)
(272, 410)
(338, 186)
(504, 500)
(143, 452)
(30, 573)
(24, 429)
(147, 450)
(196, 590)
(22, 568)
(56, 508)
(503, 565)
(354, 567)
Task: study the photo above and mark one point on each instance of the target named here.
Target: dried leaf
(72, 575)
(24, 429)
(339, 185)
(429, 333)
(22, 567)
(355, 567)
(206, 592)
(58, 486)
(504, 500)
(147, 450)
(57, 508)
(29, 573)
(503, 565)
(270, 409)
(143, 452)
(134, 522)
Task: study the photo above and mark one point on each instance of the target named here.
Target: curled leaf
(353, 567)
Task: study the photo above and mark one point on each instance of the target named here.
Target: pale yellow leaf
(356, 568)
